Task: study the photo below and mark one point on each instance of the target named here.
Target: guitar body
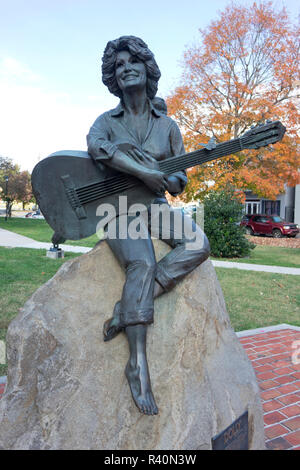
(54, 181)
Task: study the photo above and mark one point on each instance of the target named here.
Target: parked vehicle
(246, 218)
(271, 225)
(38, 215)
(35, 215)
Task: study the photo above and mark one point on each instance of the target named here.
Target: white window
(252, 207)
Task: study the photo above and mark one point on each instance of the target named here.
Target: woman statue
(130, 72)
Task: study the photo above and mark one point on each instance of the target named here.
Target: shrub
(223, 211)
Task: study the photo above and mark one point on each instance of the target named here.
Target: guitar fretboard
(198, 157)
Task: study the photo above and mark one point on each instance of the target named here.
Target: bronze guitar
(69, 186)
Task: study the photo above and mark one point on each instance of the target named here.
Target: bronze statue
(130, 72)
(137, 151)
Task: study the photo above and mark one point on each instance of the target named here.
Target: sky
(50, 63)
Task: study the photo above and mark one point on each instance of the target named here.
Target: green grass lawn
(271, 256)
(253, 299)
(22, 271)
(39, 230)
(257, 299)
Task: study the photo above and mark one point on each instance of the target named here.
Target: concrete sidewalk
(256, 267)
(13, 240)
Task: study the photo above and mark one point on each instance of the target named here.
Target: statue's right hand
(156, 181)
(153, 178)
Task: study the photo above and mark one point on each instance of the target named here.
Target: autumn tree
(17, 188)
(244, 70)
(20, 188)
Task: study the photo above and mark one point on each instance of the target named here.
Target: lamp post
(6, 190)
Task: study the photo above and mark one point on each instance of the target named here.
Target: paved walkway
(275, 356)
(256, 267)
(14, 240)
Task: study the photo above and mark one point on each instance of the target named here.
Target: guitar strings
(196, 159)
(170, 163)
(103, 187)
(120, 183)
(193, 158)
(173, 164)
(104, 184)
(104, 192)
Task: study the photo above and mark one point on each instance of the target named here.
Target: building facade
(286, 205)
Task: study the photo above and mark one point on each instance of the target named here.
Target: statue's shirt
(162, 139)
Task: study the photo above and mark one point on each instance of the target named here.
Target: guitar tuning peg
(210, 145)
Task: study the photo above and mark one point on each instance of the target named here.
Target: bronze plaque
(235, 437)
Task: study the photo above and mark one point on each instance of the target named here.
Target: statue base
(67, 389)
(55, 253)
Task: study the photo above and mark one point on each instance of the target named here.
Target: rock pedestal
(67, 389)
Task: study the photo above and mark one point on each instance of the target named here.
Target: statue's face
(130, 72)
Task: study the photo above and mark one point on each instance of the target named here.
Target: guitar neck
(198, 157)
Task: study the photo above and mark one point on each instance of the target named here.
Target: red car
(272, 225)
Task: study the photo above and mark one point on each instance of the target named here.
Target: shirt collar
(119, 110)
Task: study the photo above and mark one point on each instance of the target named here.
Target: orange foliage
(244, 71)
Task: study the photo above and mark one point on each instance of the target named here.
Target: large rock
(67, 389)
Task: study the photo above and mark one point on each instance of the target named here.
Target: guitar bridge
(73, 197)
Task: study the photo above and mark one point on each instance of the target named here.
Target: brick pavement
(275, 356)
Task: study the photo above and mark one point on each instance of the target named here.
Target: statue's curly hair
(136, 47)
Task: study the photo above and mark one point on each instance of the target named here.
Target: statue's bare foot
(111, 329)
(140, 386)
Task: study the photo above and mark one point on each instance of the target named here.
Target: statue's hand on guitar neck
(156, 181)
(163, 183)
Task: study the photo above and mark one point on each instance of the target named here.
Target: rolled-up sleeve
(98, 140)
(177, 148)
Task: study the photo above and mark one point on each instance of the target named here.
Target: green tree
(15, 184)
(223, 211)
(21, 188)
(8, 170)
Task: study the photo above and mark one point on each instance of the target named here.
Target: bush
(222, 213)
